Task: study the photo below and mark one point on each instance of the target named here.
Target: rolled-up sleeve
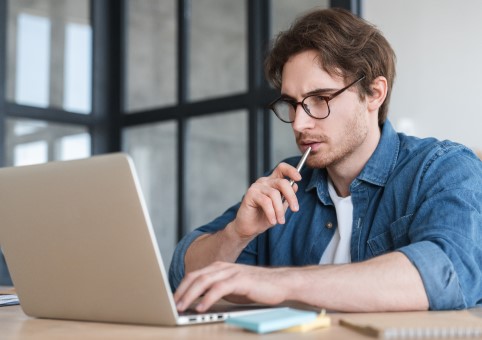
(446, 231)
(439, 276)
(176, 269)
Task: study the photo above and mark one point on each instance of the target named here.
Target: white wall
(438, 89)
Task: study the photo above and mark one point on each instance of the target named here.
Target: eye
(289, 102)
(317, 99)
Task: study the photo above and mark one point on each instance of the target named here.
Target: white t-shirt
(338, 250)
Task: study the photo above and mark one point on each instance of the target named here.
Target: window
(177, 84)
(50, 54)
(35, 141)
(45, 83)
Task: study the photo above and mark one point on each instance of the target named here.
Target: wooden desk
(14, 324)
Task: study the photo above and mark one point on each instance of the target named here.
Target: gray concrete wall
(439, 48)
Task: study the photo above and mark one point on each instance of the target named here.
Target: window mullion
(183, 25)
(3, 77)
(108, 74)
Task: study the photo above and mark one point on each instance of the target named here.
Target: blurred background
(179, 86)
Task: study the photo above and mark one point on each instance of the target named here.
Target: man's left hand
(235, 281)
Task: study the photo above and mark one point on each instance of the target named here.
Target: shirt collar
(383, 160)
(376, 171)
(319, 180)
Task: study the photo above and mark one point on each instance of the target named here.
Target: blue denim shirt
(421, 197)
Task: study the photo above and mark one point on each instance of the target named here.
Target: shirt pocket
(395, 237)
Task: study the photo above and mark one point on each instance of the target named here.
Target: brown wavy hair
(347, 46)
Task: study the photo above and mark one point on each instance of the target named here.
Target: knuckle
(284, 165)
(219, 264)
(260, 180)
(265, 201)
(220, 286)
(189, 276)
(253, 187)
(203, 280)
(285, 182)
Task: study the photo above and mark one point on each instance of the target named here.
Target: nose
(302, 120)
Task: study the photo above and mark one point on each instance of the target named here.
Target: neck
(346, 170)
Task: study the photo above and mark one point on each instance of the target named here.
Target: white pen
(299, 166)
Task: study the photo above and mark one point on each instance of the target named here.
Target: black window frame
(108, 118)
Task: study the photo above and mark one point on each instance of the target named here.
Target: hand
(237, 282)
(262, 206)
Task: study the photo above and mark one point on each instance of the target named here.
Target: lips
(306, 140)
(305, 144)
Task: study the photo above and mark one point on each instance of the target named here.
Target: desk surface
(14, 324)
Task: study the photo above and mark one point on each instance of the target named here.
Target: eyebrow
(315, 91)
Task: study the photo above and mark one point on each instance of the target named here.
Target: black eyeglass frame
(325, 98)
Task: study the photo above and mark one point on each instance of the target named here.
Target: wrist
(299, 282)
(234, 237)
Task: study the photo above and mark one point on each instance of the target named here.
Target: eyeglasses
(315, 105)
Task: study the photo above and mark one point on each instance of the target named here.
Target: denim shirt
(421, 197)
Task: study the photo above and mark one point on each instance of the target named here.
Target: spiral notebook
(418, 325)
(8, 297)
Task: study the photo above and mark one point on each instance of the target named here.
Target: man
(377, 221)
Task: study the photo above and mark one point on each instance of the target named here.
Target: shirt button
(329, 225)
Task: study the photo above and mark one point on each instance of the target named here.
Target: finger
(275, 196)
(185, 283)
(291, 202)
(247, 284)
(284, 170)
(216, 292)
(202, 283)
(280, 191)
(270, 200)
(236, 284)
(190, 278)
(289, 194)
(267, 194)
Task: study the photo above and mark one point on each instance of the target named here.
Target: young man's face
(341, 135)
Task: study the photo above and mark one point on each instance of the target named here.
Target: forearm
(224, 245)
(386, 283)
(262, 208)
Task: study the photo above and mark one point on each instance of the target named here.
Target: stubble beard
(355, 130)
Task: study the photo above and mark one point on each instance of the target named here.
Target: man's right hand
(263, 205)
(261, 208)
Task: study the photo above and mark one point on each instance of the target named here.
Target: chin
(324, 160)
(317, 163)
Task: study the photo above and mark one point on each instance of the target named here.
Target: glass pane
(49, 54)
(217, 168)
(35, 141)
(283, 15)
(284, 12)
(151, 54)
(33, 54)
(153, 149)
(78, 68)
(218, 50)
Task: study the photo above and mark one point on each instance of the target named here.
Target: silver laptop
(79, 244)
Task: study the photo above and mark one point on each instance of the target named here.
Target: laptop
(79, 245)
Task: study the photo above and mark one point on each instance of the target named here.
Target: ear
(379, 93)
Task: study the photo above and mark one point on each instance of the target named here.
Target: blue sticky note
(273, 320)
